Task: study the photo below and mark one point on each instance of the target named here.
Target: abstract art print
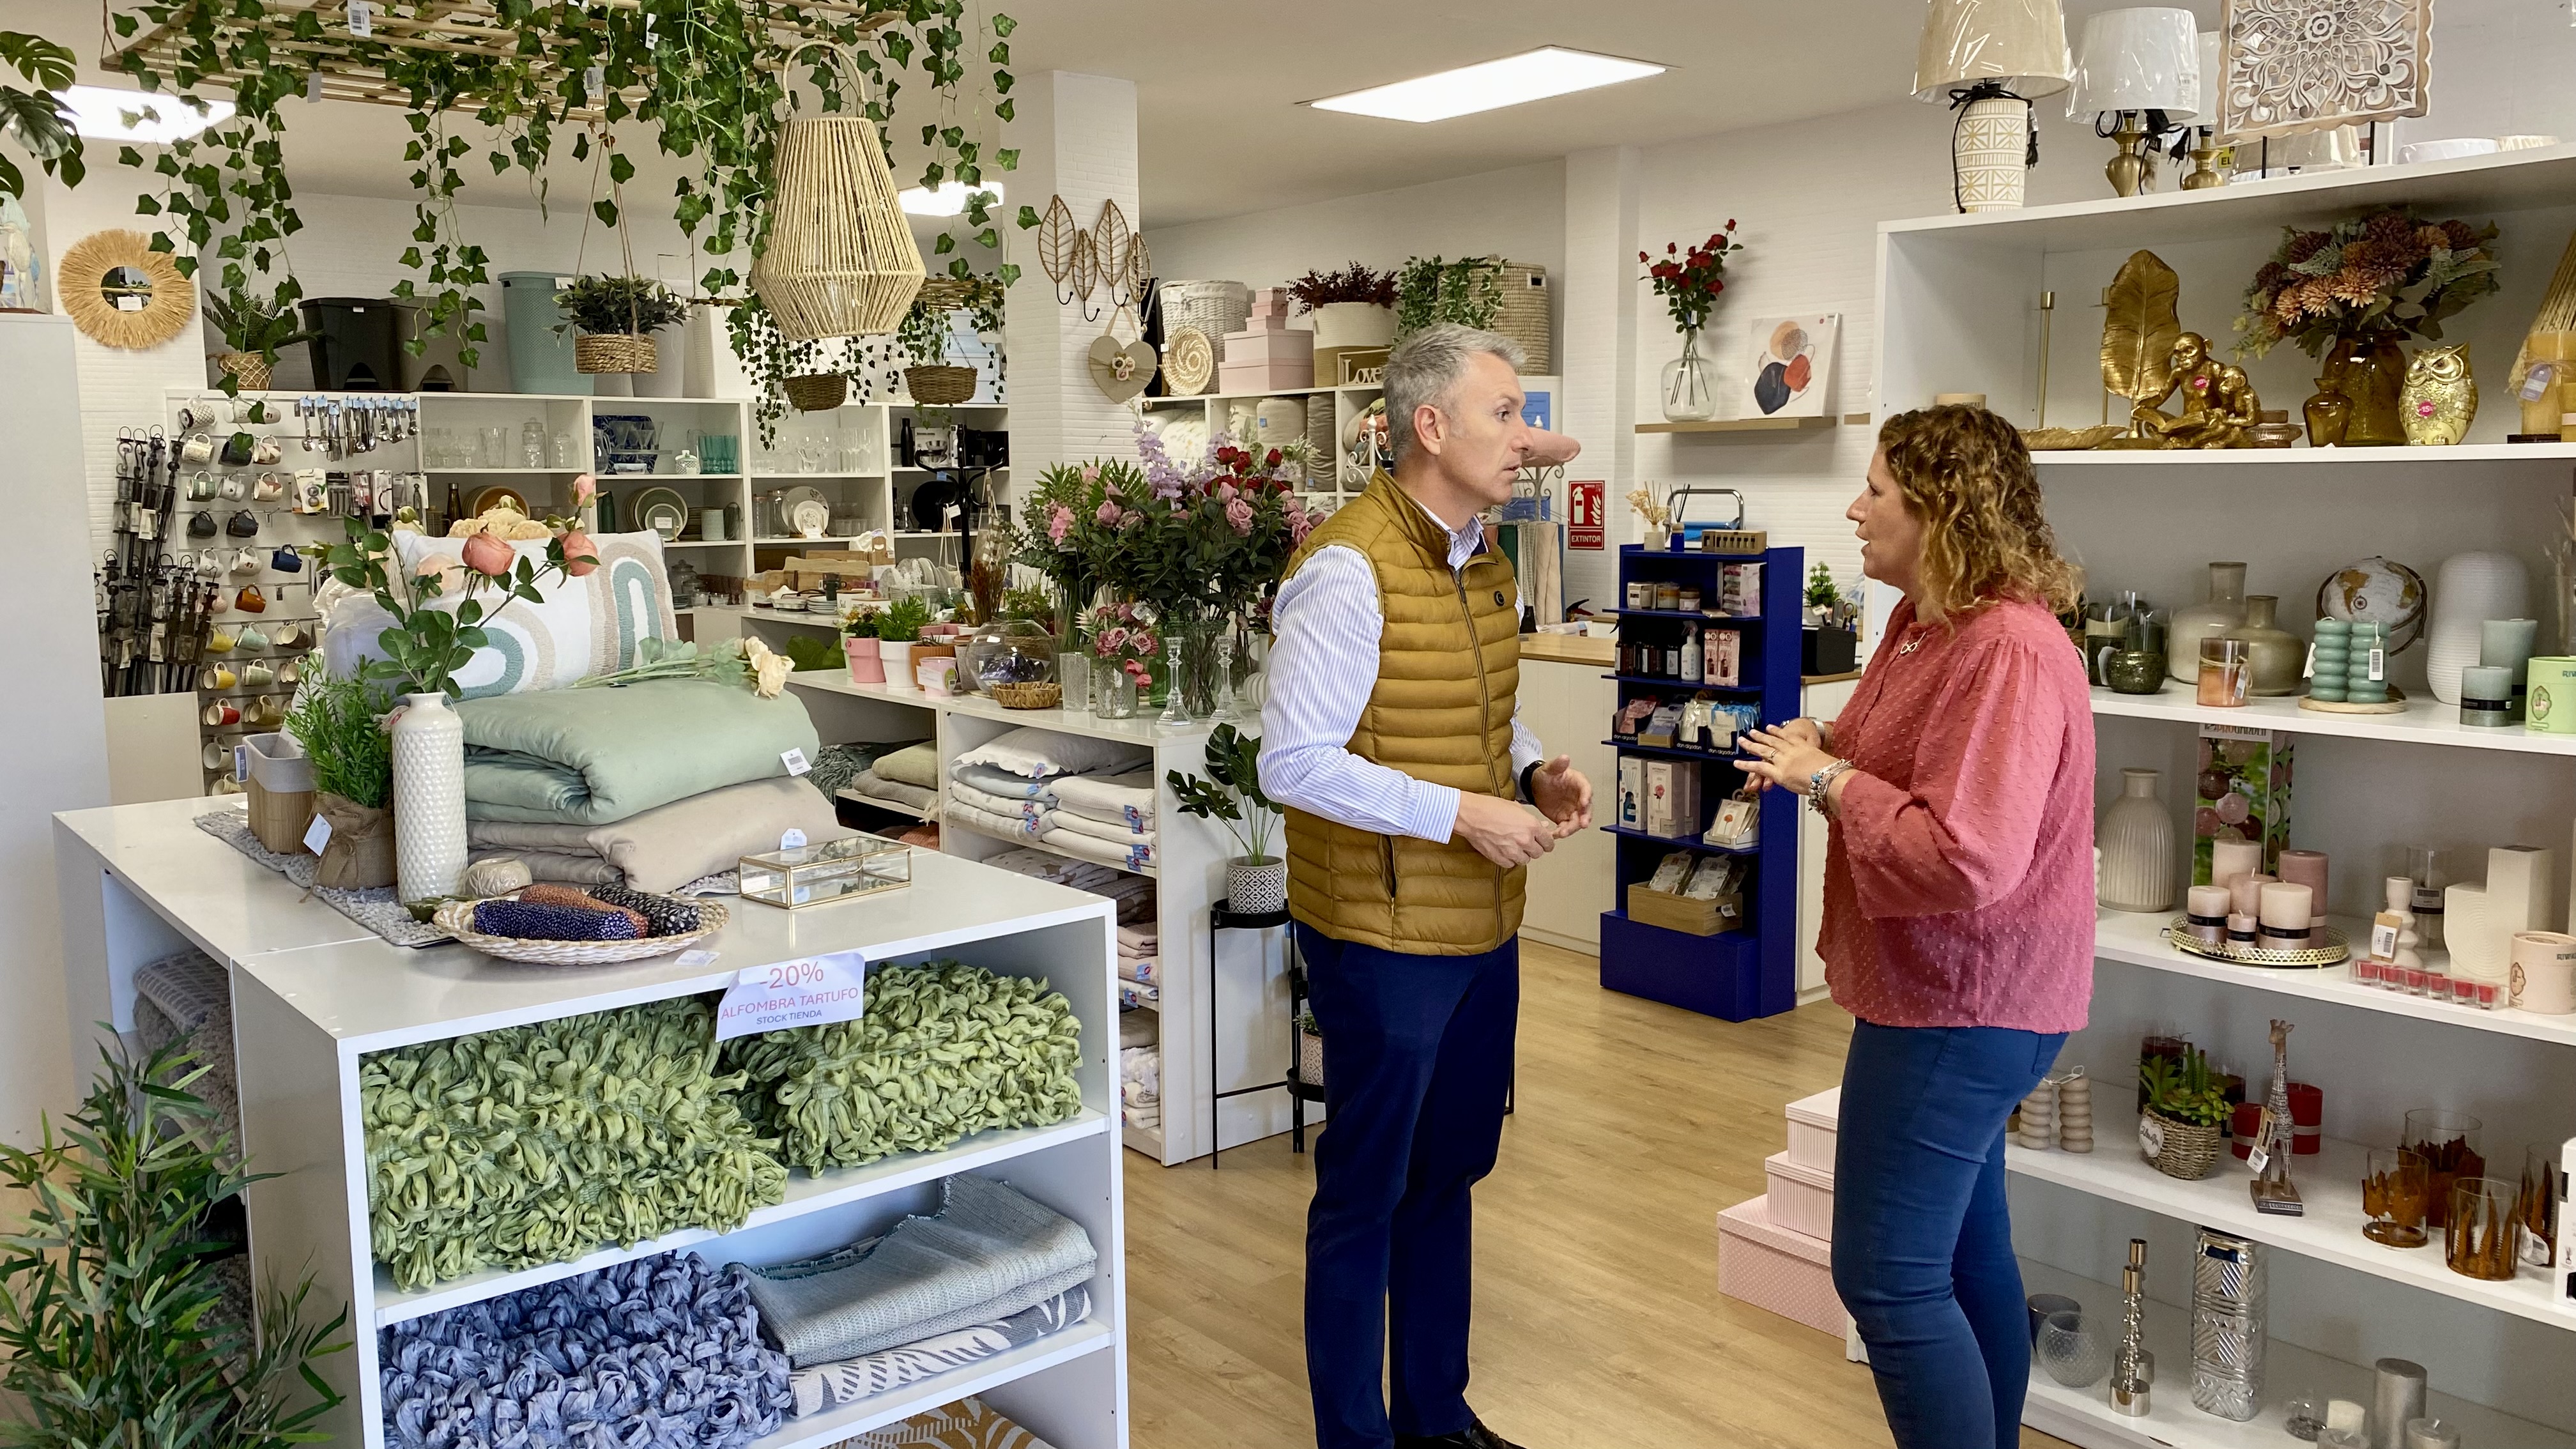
(1792, 360)
(2292, 66)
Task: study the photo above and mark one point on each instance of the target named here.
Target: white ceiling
(1218, 85)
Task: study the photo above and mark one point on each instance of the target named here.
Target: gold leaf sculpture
(2140, 324)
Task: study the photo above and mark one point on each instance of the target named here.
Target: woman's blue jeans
(1923, 1254)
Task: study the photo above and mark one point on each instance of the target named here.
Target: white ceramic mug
(197, 448)
(2544, 972)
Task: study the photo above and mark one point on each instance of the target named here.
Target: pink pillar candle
(2246, 892)
(2208, 907)
(2307, 868)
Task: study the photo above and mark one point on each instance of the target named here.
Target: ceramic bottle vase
(2221, 610)
(2136, 837)
(2278, 657)
(429, 798)
(2470, 589)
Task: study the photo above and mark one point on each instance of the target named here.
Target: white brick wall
(1077, 139)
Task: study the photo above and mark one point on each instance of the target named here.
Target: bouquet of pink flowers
(1123, 634)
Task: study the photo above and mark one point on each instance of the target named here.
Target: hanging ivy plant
(870, 363)
(711, 78)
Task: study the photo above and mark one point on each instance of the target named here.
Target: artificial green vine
(770, 359)
(711, 77)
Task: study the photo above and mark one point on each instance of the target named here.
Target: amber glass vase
(2369, 370)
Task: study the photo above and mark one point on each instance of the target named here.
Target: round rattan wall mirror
(121, 293)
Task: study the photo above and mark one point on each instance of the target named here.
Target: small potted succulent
(859, 645)
(253, 329)
(2182, 1112)
(898, 630)
(613, 320)
(1255, 881)
(1353, 307)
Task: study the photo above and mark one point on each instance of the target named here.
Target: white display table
(313, 993)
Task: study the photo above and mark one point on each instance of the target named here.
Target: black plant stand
(1223, 917)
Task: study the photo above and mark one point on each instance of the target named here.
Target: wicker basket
(249, 370)
(457, 919)
(2189, 1151)
(818, 392)
(943, 294)
(939, 384)
(613, 352)
(1523, 316)
(1045, 694)
(1214, 308)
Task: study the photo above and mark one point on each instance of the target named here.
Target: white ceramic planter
(894, 660)
(429, 798)
(1354, 324)
(1254, 888)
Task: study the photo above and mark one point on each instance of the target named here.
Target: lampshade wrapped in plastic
(2019, 43)
(840, 260)
(2144, 59)
(2213, 80)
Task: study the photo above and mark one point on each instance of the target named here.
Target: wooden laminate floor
(1598, 1320)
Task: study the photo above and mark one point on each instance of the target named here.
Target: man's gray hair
(1427, 367)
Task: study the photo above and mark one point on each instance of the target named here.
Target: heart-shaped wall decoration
(1121, 372)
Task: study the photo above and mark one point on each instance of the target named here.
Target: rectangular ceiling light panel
(1490, 85)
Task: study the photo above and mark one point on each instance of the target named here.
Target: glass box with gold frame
(838, 870)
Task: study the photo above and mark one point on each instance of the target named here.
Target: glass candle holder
(2394, 1183)
(2226, 672)
(2074, 1349)
(2477, 1241)
(2449, 1144)
(2535, 1208)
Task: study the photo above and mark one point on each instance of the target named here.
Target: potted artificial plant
(2183, 1109)
(613, 320)
(859, 646)
(253, 329)
(1256, 882)
(931, 378)
(1354, 307)
(898, 630)
(1830, 645)
(339, 724)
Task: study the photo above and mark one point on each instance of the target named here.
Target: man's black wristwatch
(1527, 794)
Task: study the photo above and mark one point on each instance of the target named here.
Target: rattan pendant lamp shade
(840, 260)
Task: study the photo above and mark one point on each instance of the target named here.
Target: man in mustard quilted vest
(1392, 738)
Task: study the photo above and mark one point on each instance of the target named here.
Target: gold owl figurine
(2440, 399)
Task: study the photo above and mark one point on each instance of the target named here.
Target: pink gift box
(1772, 1268)
(1240, 378)
(1244, 347)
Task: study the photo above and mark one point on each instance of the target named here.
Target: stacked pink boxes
(1267, 356)
(1776, 1251)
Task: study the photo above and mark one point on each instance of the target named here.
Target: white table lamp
(1989, 59)
(2133, 62)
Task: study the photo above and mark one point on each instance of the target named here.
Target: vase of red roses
(1689, 282)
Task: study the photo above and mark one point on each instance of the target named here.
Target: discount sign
(811, 991)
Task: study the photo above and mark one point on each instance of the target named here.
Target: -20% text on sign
(808, 991)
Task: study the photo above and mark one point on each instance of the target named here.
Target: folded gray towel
(990, 1252)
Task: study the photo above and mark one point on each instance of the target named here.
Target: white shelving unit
(1347, 402)
(1251, 1035)
(1958, 300)
(313, 994)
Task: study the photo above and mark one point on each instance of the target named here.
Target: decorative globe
(2378, 591)
(1012, 651)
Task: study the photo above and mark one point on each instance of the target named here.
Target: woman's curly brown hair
(1965, 473)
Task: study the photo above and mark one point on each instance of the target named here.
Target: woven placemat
(376, 909)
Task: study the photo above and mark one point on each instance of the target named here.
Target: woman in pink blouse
(1958, 918)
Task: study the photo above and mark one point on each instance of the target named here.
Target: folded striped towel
(834, 1385)
(1127, 798)
(1009, 827)
(1092, 847)
(1001, 782)
(878, 787)
(1131, 994)
(1102, 829)
(986, 800)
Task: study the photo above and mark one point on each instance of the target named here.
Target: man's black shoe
(1474, 1436)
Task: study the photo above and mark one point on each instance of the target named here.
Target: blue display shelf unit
(1743, 974)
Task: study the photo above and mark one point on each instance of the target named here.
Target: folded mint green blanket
(595, 756)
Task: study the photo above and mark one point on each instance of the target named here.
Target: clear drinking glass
(496, 447)
(2075, 1349)
(2394, 1186)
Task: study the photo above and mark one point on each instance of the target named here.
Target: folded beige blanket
(668, 846)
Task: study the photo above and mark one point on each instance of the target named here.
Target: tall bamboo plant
(110, 1326)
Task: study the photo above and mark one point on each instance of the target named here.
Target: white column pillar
(1599, 332)
(1076, 136)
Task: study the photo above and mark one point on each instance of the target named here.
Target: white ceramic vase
(1991, 152)
(895, 658)
(1354, 324)
(429, 798)
(2136, 838)
(2470, 589)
